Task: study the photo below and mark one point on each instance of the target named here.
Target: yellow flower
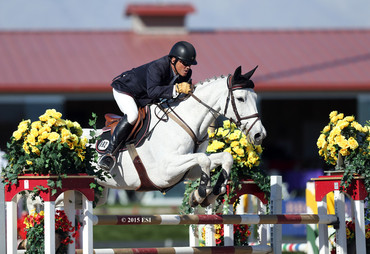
(31, 139)
(69, 124)
(341, 141)
(51, 121)
(352, 143)
(344, 152)
(349, 118)
(321, 141)
(243, 141)
(17, 135)
(252, 158)
(258, 149)
(356, 125)
(227, 124)
(336, 131)
(342, 124)
(80, 154)
(225, 133)
(41, 138)
(326, 128)
(228, 150)
(29, 162)
(60, 122)
(34, 132)
(211, 133)
(234, 144)
(53, 136)
(23, 126)
(235, 135)
(214, 146)
(36, 125)
(333, 114)
(26, 148)
(83, 142)
(65, 135)
(35, 150)
(238, 151)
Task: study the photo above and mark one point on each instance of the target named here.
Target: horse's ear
(248, 75)
(236, 76)
(243, 80)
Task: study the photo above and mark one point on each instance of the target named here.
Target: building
(302, 75)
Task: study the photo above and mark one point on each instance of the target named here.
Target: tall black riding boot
(120, 134)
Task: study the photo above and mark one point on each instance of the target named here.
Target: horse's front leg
(182, 164)
(226, 161)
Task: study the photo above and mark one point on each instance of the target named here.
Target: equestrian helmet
(184, 51)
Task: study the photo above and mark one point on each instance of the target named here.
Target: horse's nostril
(257, 136)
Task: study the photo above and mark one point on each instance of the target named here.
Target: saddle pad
(104, 139)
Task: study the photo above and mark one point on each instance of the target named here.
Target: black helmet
(184, 51)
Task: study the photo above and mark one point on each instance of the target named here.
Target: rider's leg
(128, 106)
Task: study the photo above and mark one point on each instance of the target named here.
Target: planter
(28, 182)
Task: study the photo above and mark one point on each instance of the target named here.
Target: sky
(209, 14)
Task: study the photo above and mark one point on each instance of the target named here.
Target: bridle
(173, 115)
(231, 97)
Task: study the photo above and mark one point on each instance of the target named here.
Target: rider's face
(181, 68)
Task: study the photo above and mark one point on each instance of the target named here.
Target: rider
(165, 78)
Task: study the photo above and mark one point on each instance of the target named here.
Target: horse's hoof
(192, 200)
(209, 200)
(205, 203)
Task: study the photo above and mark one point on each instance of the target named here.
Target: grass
(140, 233)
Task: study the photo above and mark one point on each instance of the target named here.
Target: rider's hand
(184, 87)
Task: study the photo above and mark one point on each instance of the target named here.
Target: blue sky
(210, 14)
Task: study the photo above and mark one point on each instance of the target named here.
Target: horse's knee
(227, 161)
(204, 161)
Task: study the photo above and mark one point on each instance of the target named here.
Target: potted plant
(51, 146)
(345, 143)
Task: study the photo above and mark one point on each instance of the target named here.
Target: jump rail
(186, 250)
(244, 219)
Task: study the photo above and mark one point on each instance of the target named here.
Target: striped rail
(186, 250)
(214, 219)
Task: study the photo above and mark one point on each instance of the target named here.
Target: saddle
(136, 136)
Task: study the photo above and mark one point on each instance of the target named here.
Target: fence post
(341, 236)
(276, 208)
(312, 230)
(2, 217)
(3, 163)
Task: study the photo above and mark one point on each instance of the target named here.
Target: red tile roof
(159, 10)
(87, 61)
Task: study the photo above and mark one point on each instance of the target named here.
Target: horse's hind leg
(226, 161)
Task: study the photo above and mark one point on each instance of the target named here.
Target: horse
(173, 152)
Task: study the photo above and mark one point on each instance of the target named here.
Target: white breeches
(127, 105)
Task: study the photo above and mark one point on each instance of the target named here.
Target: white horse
(173, 152)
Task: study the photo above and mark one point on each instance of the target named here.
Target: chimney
(159, 18)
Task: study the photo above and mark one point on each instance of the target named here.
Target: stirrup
(104, 166)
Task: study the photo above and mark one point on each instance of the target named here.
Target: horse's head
(241, 105)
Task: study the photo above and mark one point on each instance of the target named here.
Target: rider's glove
(184, 87)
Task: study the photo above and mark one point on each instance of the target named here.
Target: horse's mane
(210, 80)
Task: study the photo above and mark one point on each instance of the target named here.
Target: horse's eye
(240, 99)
